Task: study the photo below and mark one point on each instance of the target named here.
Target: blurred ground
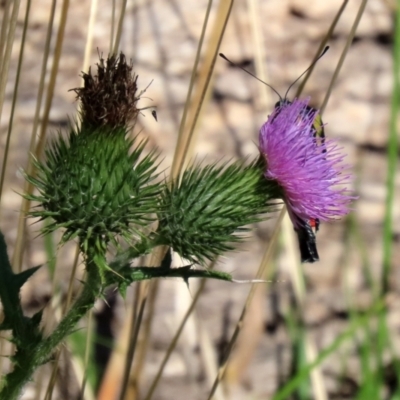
(161, 39)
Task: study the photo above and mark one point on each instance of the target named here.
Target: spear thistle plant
(100, 187)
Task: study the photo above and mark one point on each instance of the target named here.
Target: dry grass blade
(3, 32)
(3, 81)
(205, 75)
(7, 54)
(248, 341)
(49, 98)
(143, 342)
(53, 377)
(53, 77)
(182, 139)
(174, 341)
(297, 279)
(89, 339)
(28, 188)
(343, 55)
(65, 307)
(15, 95)
(112, 30)
(260, 54)
(119, 27)
(321, 47)
(3, 78)
(89, 36)
(110, 384)
(38, 386)
(3, 349)
(265, 262)
(133, 340)
(136, 321)
(209, 357)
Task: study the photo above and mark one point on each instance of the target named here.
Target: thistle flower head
(310, 171)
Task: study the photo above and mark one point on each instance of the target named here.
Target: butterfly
(306, 229)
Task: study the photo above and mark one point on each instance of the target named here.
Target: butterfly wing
(307, 242)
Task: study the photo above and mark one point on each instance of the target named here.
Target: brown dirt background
(161, 38)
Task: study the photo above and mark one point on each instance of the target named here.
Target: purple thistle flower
(309, 170)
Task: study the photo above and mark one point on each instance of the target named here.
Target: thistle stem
(29, 356)
(26, 362)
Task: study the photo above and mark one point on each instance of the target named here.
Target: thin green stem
(392, 161)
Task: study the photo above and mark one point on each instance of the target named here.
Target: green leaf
(23, 329)
(23, 276)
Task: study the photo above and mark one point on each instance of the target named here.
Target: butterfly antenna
(248, 72)
(312, 64)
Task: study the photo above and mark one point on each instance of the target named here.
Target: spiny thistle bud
(110, 97)
(92, 183)
(202, 214)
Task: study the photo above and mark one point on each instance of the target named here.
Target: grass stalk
(88, 346)
(356, 324)
(7, 54)
(182, 139)
(3, 80)
(65, 307)
(321, 47)
(392, 151)
(174, 342)
(4, 29)
(15, 95)
(119, 27)
(112, 30)
(45, 118)
(205, 75)
(262, 271)
(28, 188)
(349, 41)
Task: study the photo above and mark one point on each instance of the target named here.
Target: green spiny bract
(93, 187)
(202, 215)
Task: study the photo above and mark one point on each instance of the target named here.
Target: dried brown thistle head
(110, 97)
